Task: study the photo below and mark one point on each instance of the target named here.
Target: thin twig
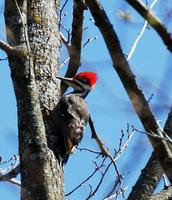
(140, 34)
(102, 177)
(11, 172)
(166, 138)
(137, 40)
(8, 174)
(65, 41)
(112, 161)
(61, 11)
(89, 40)
(6, 161)
(124, 146)
(64, 62)
(68, 31)
(2, 59)
(88, 178)
(100, 182)
(89, 150)
(15, 182)
(127, 77)
(105, 151)
(154, 22)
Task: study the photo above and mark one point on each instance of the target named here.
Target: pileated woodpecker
(72, 112)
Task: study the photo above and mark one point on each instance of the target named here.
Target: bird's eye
(83, 80)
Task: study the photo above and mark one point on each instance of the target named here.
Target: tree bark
(74, 49)
(163, 195)
(148, 180)
(32, 27)
(140, 104)
(151, 174)
(154, 22)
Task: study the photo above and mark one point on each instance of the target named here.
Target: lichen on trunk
(32, 26)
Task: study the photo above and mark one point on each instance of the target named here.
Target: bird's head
(82, 83)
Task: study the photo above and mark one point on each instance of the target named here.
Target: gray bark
(33, 28)
(139, 102)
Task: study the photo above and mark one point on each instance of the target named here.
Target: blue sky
(109, 105)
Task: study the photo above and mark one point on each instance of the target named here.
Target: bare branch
(68, 31)
(128, 79)
(122, 147)
(151, 174)
(15, 182)
(155, 23)
(64, 62)
(116, 195)
(89, 40)
(10, 50)
(113, 159)
(2, 59)
(148, 180)
(104, 150)
(140, 34)
(88, 178)
(76, 39)
(61, 10)
(137, 41)
(89, 150)
(92, 193)
(65, 41)
(118, 180)
(159, 137)
(11, 172)
(98, 140)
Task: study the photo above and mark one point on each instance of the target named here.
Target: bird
(72, 112)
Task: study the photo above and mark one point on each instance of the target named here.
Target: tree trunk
(32, 26)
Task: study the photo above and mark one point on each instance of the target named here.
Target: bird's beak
(69, 81)
(65, 79)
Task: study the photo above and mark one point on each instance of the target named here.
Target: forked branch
(128, 80)
(154, 22)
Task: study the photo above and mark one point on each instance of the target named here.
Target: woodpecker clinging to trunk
(72, 111)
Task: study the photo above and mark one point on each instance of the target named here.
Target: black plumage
(72, 116)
